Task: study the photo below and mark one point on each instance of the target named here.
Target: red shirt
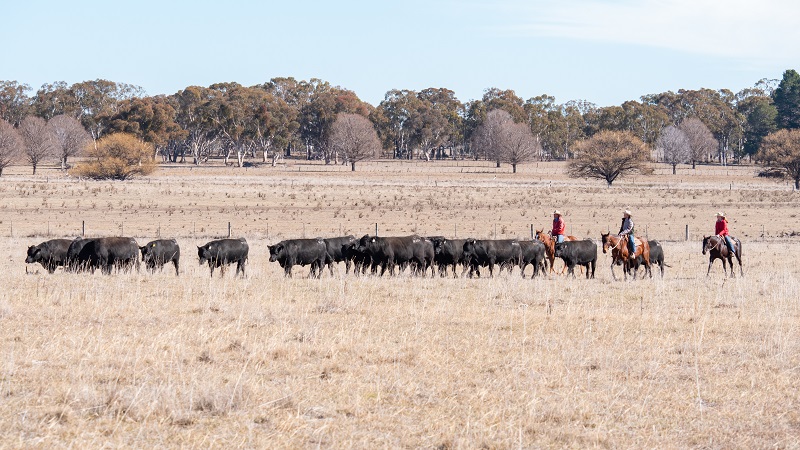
(721, 228)
(559, 227)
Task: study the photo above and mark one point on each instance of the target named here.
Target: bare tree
(674, 146)
(36, 141)
(10, 144)
(355, 137)
(488, 135)
(609, 155)
(518, 145)
(701, 141)
(69, 137)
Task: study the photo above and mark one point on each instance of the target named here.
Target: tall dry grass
(141, 360)
(154, 360)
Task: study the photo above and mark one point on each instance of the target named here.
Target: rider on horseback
(626, 231)
(721, 230)
(559, 227)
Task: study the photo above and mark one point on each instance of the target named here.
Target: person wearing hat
(626, 231)
(559, 227)
(721, 230)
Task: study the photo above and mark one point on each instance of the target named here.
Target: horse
(550, 247)
(718, 249)
(619, 253)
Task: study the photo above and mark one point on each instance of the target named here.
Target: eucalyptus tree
(54, 99)
(395, 118)
(98, 100)
(152, 119)
(192, 116)
(15, 104)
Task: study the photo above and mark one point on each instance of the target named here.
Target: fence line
(292, 230)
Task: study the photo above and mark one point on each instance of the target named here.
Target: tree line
(315, 120)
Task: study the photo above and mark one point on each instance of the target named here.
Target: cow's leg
(212, 269)
(240, 266)
(175, 263)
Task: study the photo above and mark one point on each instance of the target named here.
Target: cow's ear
(141, 248)
(372, 240)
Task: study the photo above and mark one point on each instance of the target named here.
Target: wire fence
(274, 231)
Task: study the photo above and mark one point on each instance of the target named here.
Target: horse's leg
(724, 268)
(710, 262)
(613, 275)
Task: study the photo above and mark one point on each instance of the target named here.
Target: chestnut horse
(550, 247)
(718, 249)
(620, 252)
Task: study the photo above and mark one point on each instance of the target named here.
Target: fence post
(687, 231)
(455, 231)
(531, 231)
(83, 228)
(229, 229)
(12, 228)
(376, 228)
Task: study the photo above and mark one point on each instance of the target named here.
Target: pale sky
(603, 51)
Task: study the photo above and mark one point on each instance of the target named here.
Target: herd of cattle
(419, 254)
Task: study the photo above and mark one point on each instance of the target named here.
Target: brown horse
(620, 253)
(550, 247)
(718, 249)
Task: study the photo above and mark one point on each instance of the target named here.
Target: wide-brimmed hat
(556, 213)
(627, 212)
(720, 214)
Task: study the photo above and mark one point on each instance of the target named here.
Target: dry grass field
(153, 360)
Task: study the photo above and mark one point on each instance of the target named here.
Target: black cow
(532, 253)
(448, 252)
(504, 252)
(401, 250)
(361, 259)
(160, 252)
(222, 252)
(656, 257)
(109, 253)
(580, 253)
(50, 254)
(74, 261)
(424, 255)
(303, 252)
(339, 249)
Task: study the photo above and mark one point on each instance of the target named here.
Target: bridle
(715, 246)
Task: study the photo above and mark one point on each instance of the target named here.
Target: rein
(715, 247)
